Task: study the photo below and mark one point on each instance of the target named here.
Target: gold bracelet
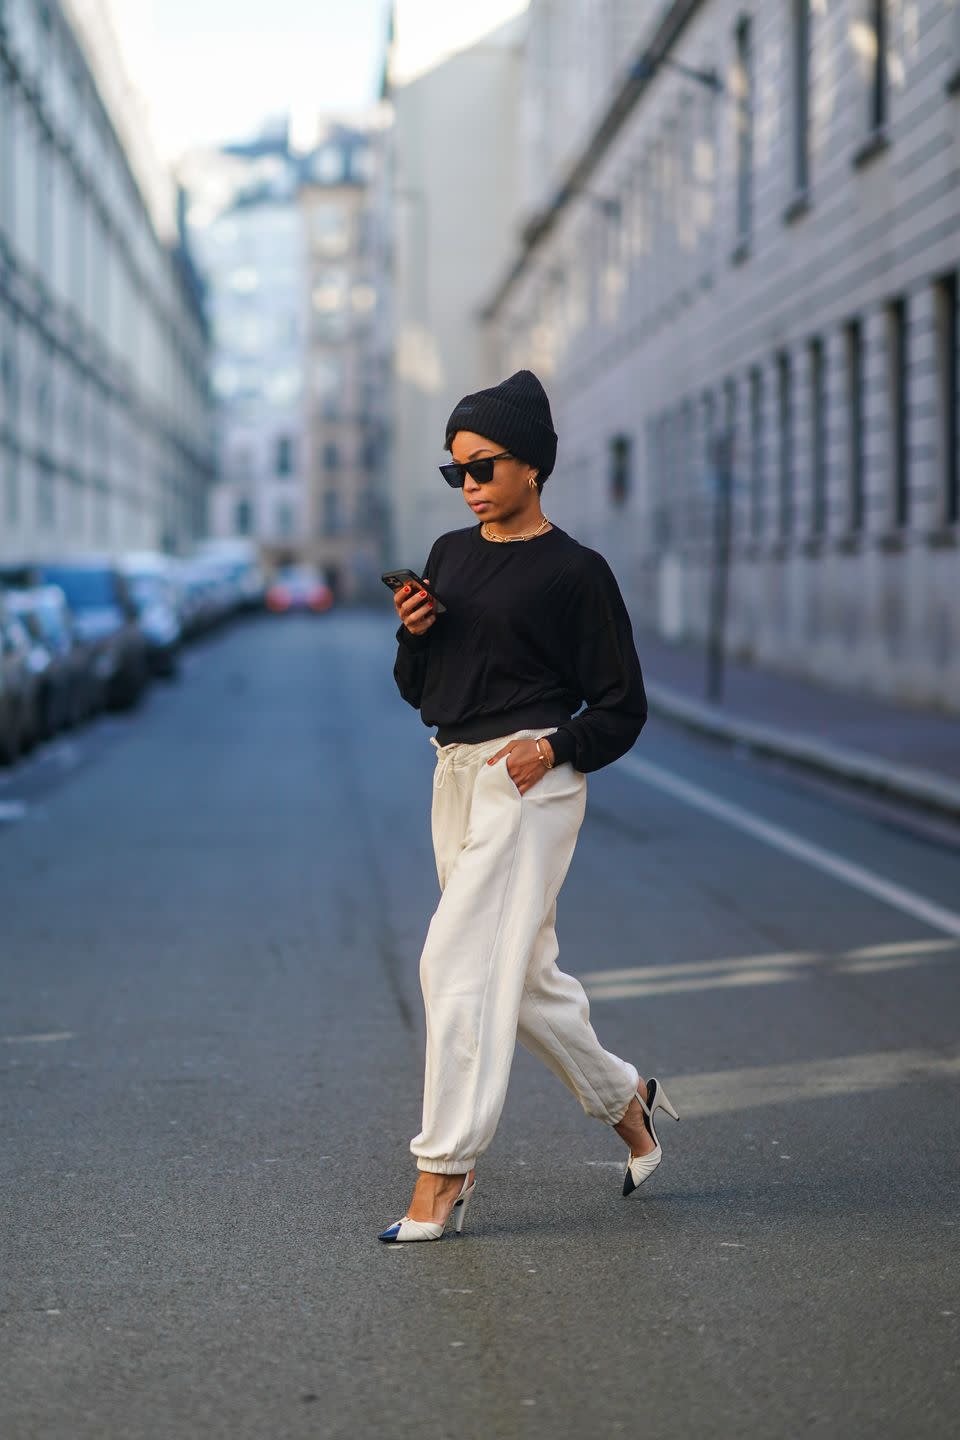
(549, 763)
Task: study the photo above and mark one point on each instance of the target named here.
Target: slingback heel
(460, 1208)
(641, 1167)
(402, 1231)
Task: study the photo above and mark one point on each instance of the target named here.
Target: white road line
(936, 916)
(38, 1039)
(726, 1091)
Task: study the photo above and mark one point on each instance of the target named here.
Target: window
(331, 455)
(785, 452)
(947, 378)
(619, 468)
(801, 95)
(897, 382)
(743, 95)
(953, 84)
(756, 453)
(687, 470)
(728, 443)
(9, 106)
(327, 165)
(243, 517)
(854, 348)
(708, 454)
(330, 229)
(11, 485)
(284, 520)
(284, 456)
(654, 482)
(331, 511)
(818, 438)
(879, 88)
(329, 294)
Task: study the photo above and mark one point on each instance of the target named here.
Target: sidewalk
(911, 754)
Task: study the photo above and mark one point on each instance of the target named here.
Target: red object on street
(298, 588)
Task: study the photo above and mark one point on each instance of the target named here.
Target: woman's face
(508, 492)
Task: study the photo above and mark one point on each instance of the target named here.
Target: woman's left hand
(524, 765)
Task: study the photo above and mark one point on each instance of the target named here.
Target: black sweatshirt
(533, 628)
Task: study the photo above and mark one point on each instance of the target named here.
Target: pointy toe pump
(641, 1167)
(402, 1231)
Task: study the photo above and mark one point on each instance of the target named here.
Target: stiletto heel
(460, 1210)
(406, 1229)
(641, 1167)
(664, 1102)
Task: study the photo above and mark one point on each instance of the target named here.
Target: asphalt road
(211, 915)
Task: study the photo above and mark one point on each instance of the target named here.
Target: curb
(906, 782)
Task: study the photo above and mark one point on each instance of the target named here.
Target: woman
(535, 624)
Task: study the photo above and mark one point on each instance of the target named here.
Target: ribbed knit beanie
(516, 414)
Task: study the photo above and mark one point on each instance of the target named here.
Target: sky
(212, 70)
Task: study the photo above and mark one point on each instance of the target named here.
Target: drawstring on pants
(444, 758)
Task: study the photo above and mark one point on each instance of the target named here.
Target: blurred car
(61, 662)
(18, 687)
(237, 561)
(208, 599)
(106, 620)
(155, 596)
(298, 587)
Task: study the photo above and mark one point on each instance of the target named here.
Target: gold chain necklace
(504, 538)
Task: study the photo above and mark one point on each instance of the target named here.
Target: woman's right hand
(415, 608)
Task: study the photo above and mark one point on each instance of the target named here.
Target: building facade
(105, 414)
(284, 241)
(246, 227)
(450, 191)
(346, 404)
(738, 277)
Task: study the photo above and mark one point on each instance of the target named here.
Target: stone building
(345, 410)
(247, 229)
(105, 417)
(737, 274)
(284, 238)
(449, 193)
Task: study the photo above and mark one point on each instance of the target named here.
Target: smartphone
(396, 579)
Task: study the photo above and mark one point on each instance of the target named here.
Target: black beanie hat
(516, 414)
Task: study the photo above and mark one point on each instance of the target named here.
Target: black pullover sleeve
(410, 667)
(606, 670)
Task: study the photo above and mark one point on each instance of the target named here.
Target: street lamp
(648, 65)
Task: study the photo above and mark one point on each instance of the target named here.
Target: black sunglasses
(481, 470)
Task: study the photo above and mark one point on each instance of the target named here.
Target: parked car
(105, 619)
(18, 687)
(155, 595)
(237, 561)
(60, 661)
(298, 587)
(202, 605)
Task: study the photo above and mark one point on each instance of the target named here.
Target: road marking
(641, 981)
(938, 917)
(37, 1039)
(899, 950)
(723, 1092)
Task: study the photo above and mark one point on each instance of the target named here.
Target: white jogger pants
(488, 969)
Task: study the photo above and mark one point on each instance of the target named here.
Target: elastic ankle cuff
(626, 1106)
(445, 1167)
